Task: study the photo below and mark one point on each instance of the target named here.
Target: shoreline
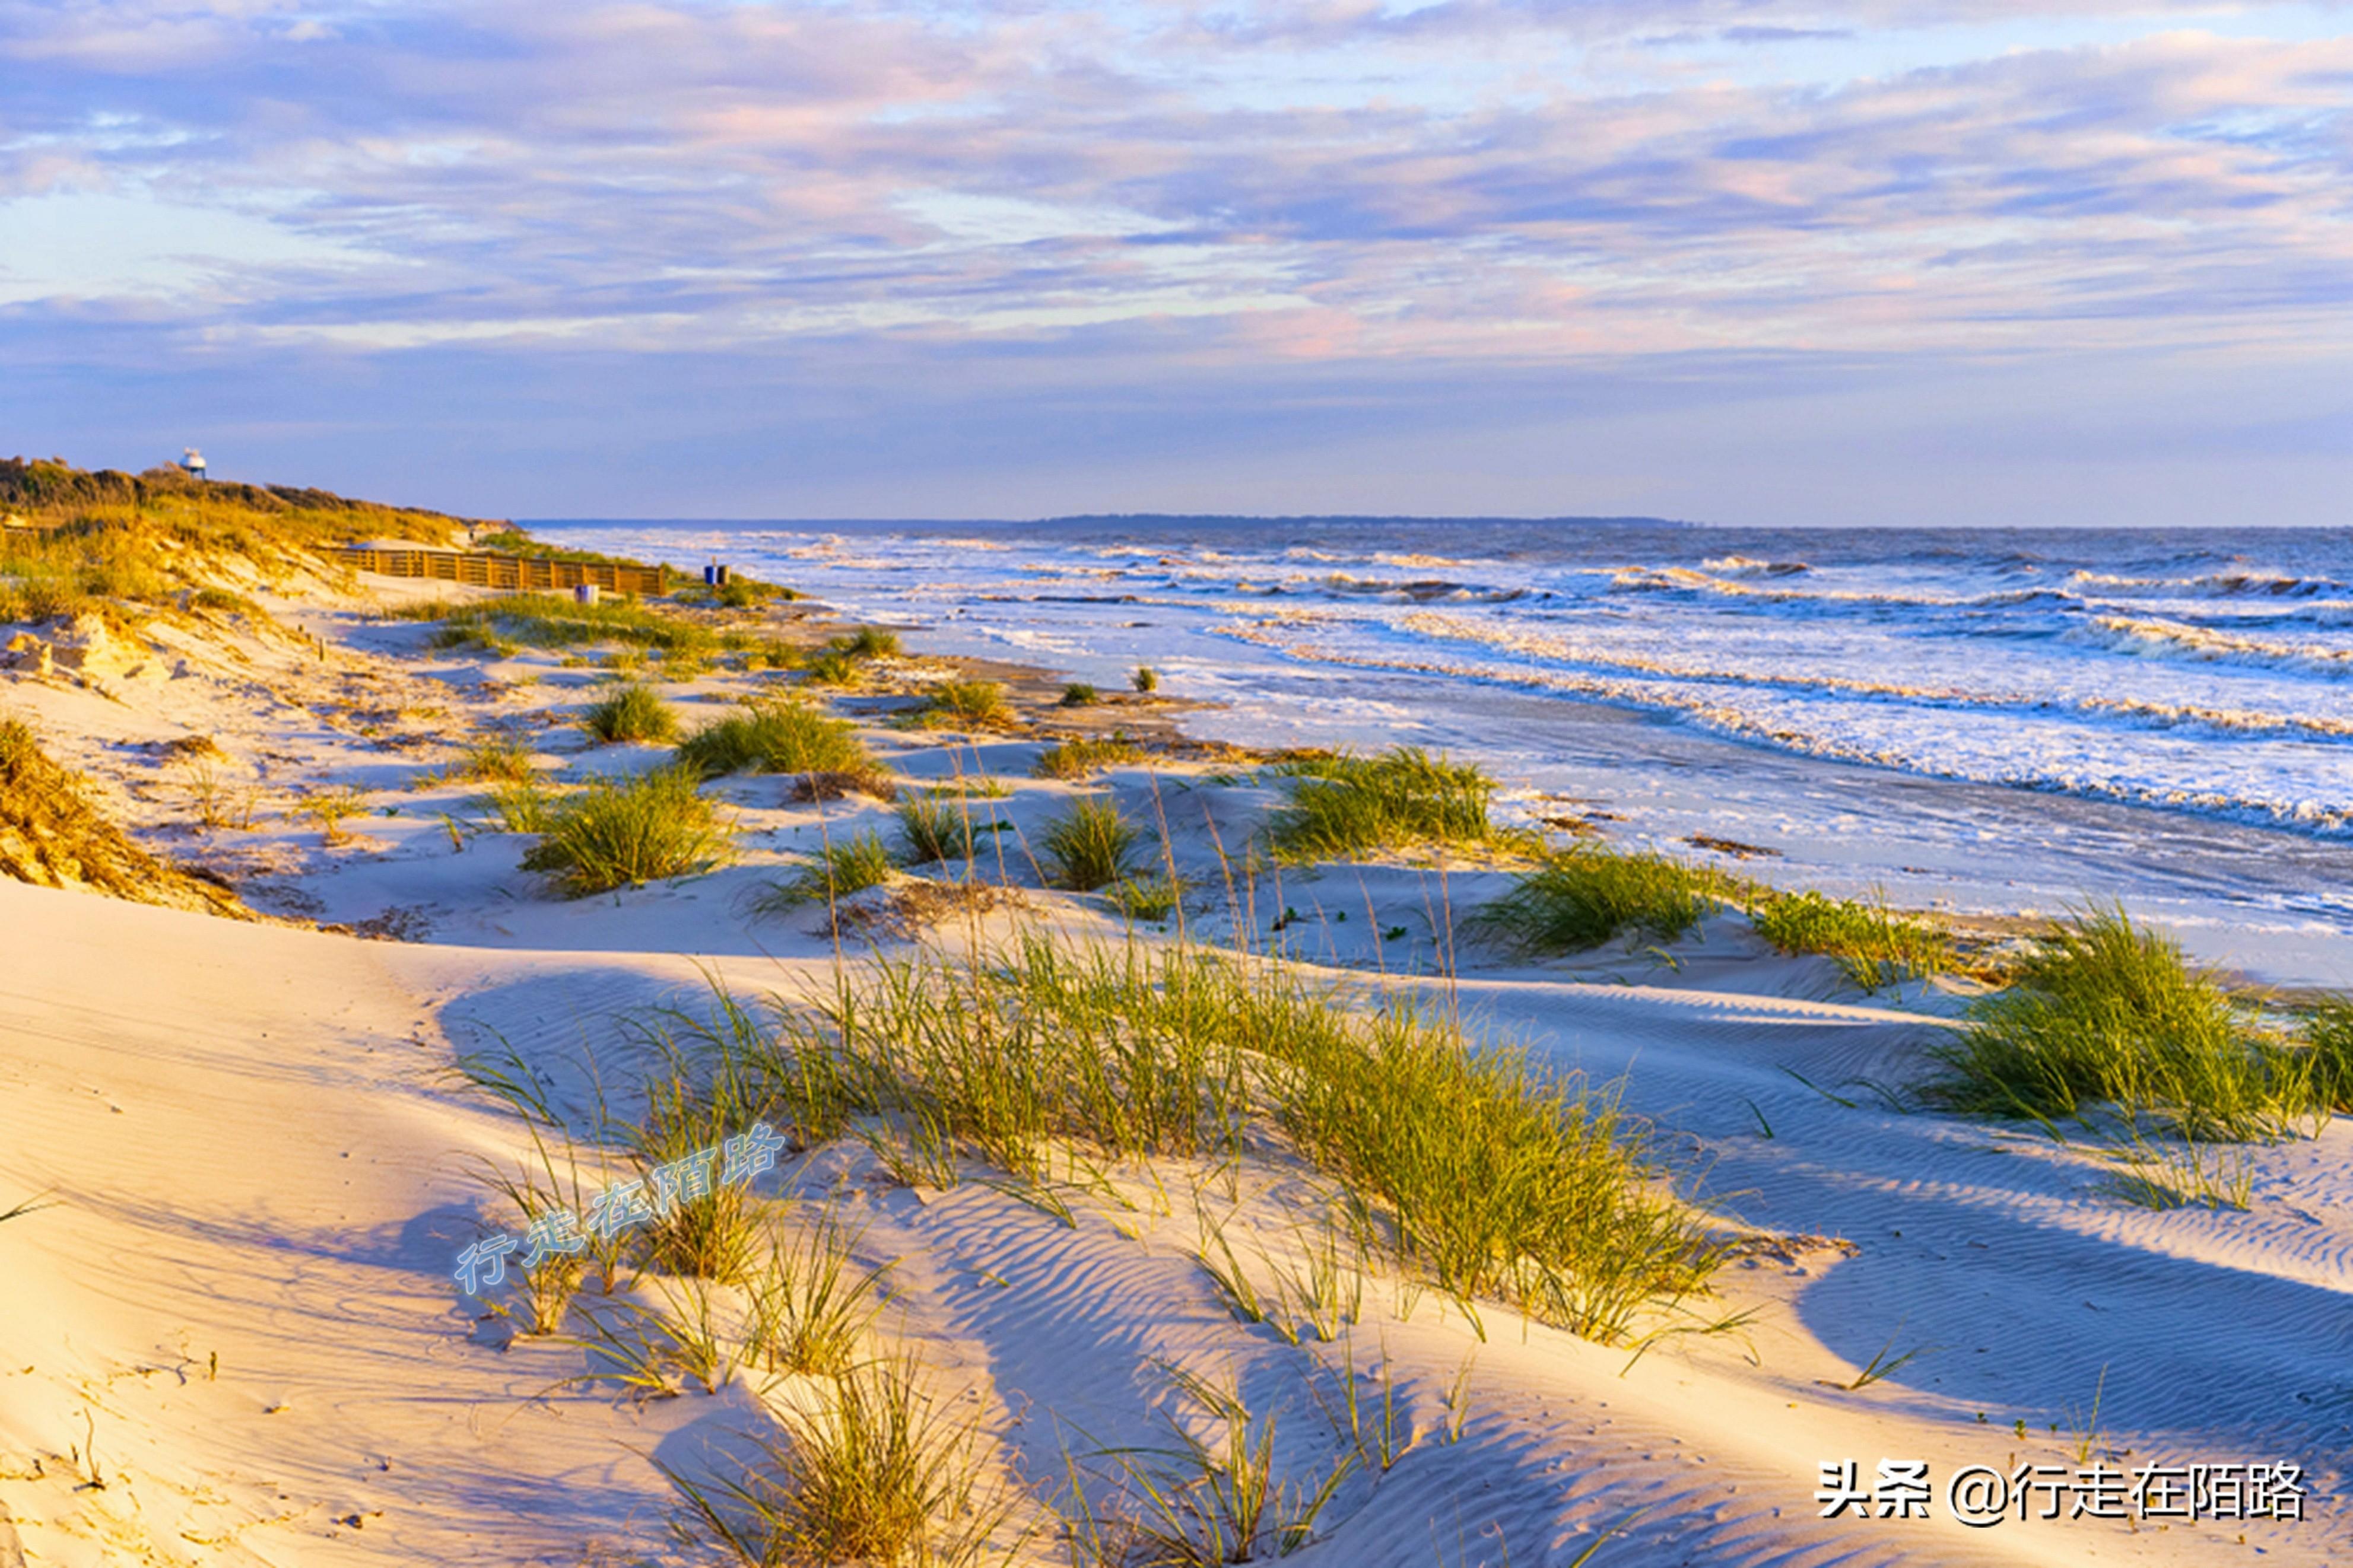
(1672, 787)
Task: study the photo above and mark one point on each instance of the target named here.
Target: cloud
(1471, 183)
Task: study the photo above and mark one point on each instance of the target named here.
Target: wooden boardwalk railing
(484, 568)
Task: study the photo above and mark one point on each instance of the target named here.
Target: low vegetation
(1089, 846)
(513, 541)
(1145, 679)
(1148, 899)
(331, 808)
(867, 642)
(1077, 759)
(1479, 1168)
(493, 759)
(1078, 694)
(1872, 945)
(558, 621)
(1455, 1163)
(520, 806)
(687, 633)
(968, 705)
(769, 736)
(933, 827)
(2108, 1013)
(886, 1476)
(852, 866)
(631, 712)
(2328, 1029)
(1587, 894)
(624, 833)
(53, 836)
(124, 547)
(738, 592)
(833, 667)
(1403, 797)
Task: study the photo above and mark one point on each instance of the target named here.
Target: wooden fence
(484, 568)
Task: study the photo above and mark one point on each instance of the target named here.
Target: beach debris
(1732, 847)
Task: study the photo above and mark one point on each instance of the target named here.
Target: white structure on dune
(193, 461)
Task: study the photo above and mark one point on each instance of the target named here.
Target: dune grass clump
(1503, 1179)
(1089, 846)
(1149, 899)
(1078, 694)
(771, 653)
(933, 827)
(833, 667)
(1079, 758)
(2105, 1013)
(883, 1474)
(1487, 1174)
(631, 713)
(808, 1309)
(867, 642)
(520, 806)
(1145, 679)
(696, 1098)
(332, 808)
(493, 759)
(967, 704)
(1872, 945)
(1587, 894)
(2329, 1031)
(779, 738)
(1344, 806)
(625, 833)
(838, 870)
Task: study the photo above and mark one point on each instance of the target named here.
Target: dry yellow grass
(52, 837)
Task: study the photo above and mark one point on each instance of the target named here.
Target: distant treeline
(55, 485)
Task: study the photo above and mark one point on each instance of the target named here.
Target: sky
(1889, 262)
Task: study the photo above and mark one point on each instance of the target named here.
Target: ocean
(1990, 720)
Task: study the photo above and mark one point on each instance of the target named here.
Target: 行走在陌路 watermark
(733, 1163)
(1981, 1495)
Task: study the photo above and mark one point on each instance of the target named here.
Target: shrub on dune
(623, 832)
(556, 621)
(1153, 899)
